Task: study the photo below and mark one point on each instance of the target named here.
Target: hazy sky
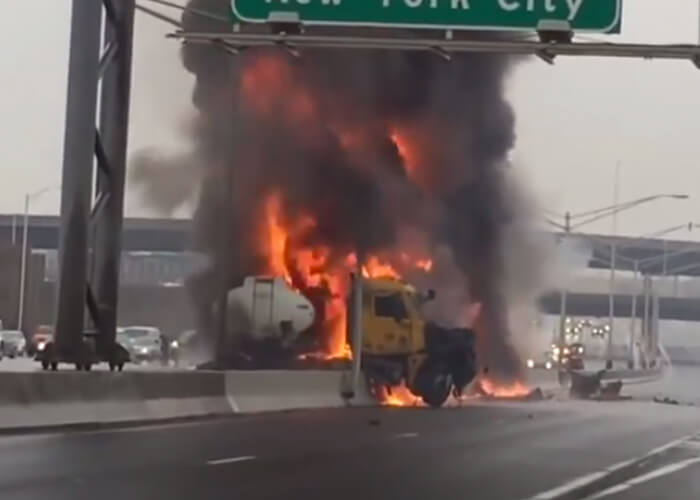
(575, 120)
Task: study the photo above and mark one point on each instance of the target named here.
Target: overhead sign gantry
(601, 16)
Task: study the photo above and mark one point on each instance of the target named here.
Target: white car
(12, 343)
(142, 342)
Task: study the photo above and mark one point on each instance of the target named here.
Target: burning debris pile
(305, 165)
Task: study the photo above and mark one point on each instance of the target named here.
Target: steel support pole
(654, 336)
(355, 312)
(645, 323)
(76, 192)
(664, 258)
(611, 312)
(562, 316)
(633, 318)
(112, 138)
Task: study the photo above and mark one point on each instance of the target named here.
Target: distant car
(575, 356)
(142, 342)
(544, 362)
(12, 343)
(42, 336)
(567, 357)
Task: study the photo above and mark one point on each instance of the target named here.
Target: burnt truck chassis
(449, 366)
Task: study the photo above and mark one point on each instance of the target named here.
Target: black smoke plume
(455, 195)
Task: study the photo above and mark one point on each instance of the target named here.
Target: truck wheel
(44, 365)
(120, 366)
(54, 366)
(88, 367)
(434, 384)
(112, 366)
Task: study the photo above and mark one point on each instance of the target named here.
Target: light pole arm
(621, 208)
(609, 210)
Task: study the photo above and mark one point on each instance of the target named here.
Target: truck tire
(434, 384)
(120, 366)
(54, 366)
(44, 365)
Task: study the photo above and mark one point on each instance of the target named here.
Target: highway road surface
(479, 451)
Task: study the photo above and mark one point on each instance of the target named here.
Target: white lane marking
(663, 471)
(231, 460)
(589, 478)
(571, 485)
(405, 435)
(691, 445)
(610, 491)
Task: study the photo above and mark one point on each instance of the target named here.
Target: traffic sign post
(601, 16)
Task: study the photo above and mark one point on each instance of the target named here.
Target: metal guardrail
(633, 376)
(625, 376)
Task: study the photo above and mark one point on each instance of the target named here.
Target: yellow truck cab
(391, 318)
(400, 347)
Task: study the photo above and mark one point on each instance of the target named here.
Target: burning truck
(266, 317)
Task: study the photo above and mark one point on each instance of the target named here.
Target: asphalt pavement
(479, 451)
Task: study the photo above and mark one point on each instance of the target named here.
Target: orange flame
(425, 265)
(407, 152)
(268, 86)
(274, 238)
(513, 390)
(315, 267)
(374, 268)
(312, 266)
(400, 395)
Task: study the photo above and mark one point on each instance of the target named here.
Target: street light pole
(564, 290)
(23, 266)
(23, 258)
(613, 254)
(14, 229)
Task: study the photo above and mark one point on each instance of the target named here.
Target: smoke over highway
(391, 156)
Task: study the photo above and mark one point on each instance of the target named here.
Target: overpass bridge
(588, 293)
(175, 235)
(139, 234)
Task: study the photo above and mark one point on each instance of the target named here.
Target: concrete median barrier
(285, 390)
(29, 400)
(58, 399)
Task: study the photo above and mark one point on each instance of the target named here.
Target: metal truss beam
(444, 47)
(112, 136)
(81, 283)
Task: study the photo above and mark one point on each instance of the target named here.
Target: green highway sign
(601, 16)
